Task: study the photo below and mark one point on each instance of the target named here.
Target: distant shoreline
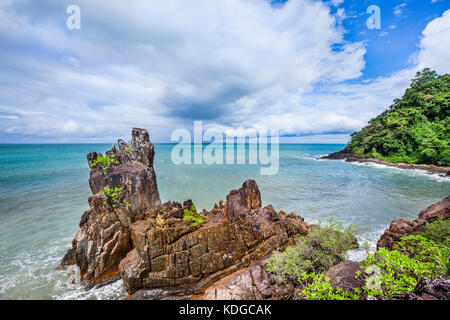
(349, 156)
(443, 171)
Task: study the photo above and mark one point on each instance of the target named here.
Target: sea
(44, 192)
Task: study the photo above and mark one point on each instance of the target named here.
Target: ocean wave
(371, 238)
(69, 291)
(412, 172)
(33, 275)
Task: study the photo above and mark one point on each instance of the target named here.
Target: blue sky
(309, 68)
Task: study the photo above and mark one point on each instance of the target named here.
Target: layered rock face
(124, 190)
(128, 233)
(252, 283)
(403, 228)
(168, 253)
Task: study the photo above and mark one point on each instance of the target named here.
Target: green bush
(399, 270)
(104, 162)
(192, 217)
(324, 247)
(438, 231)
(317, 287)
(428, 251)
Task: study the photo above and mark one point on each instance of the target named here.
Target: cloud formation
(163, 64)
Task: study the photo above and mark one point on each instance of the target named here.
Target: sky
(310, 68)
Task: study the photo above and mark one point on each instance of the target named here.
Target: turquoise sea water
(44, 191)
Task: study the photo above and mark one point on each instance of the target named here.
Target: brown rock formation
(349, 156)
(403, 228)
(104, 237)
(430, 289)
(252, 283)
(340, 155)
(127, 233)
(169, 253)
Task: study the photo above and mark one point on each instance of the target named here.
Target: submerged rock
(403, 228)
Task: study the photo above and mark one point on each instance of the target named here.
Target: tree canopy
(415, 128)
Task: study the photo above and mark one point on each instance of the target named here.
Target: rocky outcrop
(252, 283)
(124, 190)
(349, 156)
(430, 289)
(168, 252)
(340, 155)
(403, 228)
(127, 233)
(255, 283)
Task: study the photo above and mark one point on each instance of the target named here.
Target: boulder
(430, 289)
(403, 228)
(343, 275)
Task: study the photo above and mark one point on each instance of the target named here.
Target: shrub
(317, 287)
(427, 251)
(104, 162)
(322, 248)
(293, 262)
(192, 217)
(398, 270)
(438, 231)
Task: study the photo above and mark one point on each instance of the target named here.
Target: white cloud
(398, 9)
(435, 44)
(161, 65)
(336, 3)
(344, 107)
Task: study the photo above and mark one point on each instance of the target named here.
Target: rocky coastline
(130, 234)
(159, 253)
(348, 155)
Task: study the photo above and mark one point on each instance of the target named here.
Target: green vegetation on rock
(104, 162)
(398, 271)
(324, 247)
(316, 286)
(438, 231)
(113, 195)
(415, 129)
(192, 217)
(388, 273)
